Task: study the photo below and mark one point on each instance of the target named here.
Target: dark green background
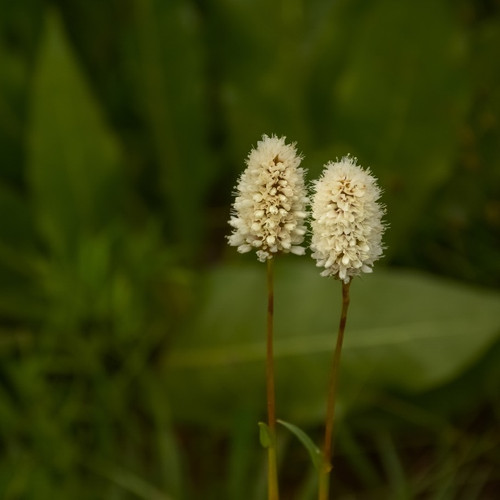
(131, 335)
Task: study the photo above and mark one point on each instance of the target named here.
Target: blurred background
(131, 336)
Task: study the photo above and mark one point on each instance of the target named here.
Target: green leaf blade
(73, 154)
(313, 450)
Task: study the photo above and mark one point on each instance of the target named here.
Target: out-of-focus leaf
(171, 92)
(404, 331)
(128, 481)
(147, 60)
(16, 224)
(72, 153)
(19, 297)
(399, 98)
(264, 71)
(20, 24)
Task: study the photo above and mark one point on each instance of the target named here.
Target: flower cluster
(346, 222)
(270, 206)
(269, 211)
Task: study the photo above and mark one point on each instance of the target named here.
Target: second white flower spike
(346, 224)
(270, 206)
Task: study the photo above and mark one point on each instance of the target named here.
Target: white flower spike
(347, 224)
(270, 207)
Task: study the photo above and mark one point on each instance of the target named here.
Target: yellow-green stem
(324, 473)
(272, 473)
(273, 493)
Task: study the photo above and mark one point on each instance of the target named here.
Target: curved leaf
(313, 450)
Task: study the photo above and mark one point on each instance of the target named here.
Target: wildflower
(347, 225)
(270, 206)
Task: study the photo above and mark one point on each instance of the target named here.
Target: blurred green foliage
(130, 336)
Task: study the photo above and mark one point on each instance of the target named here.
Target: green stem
(273, 493)
(324, 473)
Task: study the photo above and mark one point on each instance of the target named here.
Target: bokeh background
(131, 336)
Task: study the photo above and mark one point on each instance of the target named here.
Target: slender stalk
(324, 473)
(272, 471)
